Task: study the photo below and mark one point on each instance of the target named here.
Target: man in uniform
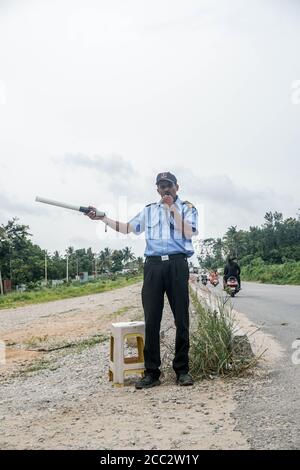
(169, 226)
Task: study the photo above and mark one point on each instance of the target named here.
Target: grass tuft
(213, 352)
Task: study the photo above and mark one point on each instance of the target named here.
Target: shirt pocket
(153, 225)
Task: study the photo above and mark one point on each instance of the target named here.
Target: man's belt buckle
(165, 257)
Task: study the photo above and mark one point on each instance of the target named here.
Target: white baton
(83, 209)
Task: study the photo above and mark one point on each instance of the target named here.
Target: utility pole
(67, 276)
(77, 271)
(1, 285)
(10, 264)
(95, 265)
(46, 274)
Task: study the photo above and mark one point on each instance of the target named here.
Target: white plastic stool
(119, 366)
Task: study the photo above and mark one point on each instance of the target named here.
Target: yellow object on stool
(119, 365)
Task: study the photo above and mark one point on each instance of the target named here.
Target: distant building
(21, 288)
(56, 282)
(7, 285)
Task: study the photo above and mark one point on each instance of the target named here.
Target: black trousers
(170, 277)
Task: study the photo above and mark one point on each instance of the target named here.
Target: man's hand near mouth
(168, 200)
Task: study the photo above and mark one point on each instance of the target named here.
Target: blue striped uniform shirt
(162, 235)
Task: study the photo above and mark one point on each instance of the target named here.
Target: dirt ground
(28, 329)
(57, 397)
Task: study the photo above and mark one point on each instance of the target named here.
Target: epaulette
(188, 203)
(151, 204)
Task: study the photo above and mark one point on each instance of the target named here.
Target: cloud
(222, 202)
(14, 208)
(115, 165)
(79, 241)
(143, 88)
(221, 189)
(113, 170)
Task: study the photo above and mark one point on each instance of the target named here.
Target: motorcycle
(214, 282)
(232, 286)
(204, 279)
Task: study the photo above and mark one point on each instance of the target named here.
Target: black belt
(166, 257)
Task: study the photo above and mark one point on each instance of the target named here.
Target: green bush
(63, 291)
(257, 270)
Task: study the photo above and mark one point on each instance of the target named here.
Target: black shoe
(185, 379)
(147, 382)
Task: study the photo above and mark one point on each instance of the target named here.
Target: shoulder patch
(189, 204)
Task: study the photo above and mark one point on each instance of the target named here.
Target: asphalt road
(270, 411)
(275, 307)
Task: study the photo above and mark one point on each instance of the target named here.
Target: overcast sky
(97, 97)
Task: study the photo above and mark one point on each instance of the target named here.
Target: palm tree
(127, 254)
(140, 263)
(117, 260)
(105, 260)
(231, 241)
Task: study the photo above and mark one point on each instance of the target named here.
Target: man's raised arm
(114, 224)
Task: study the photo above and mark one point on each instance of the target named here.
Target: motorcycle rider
(213, 276)
(232, 269)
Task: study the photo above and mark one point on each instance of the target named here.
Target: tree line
(22, 261)
(276, 241)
